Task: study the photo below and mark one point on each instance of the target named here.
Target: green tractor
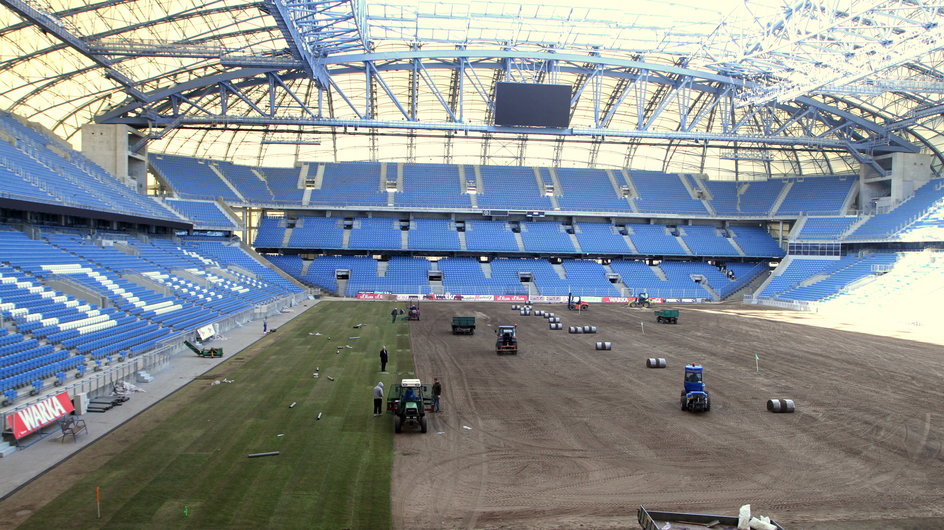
(409, 402)
(640, 301)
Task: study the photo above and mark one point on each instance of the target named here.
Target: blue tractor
(695, 398)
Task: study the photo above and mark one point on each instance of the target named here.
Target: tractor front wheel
(397, 424)
(423, 424)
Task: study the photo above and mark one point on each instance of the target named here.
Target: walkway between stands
(21, 467)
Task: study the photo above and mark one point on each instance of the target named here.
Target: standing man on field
(383, 359)
(378, 398)
(437, 391)
(393, 315)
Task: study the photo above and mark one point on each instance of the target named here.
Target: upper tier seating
(192, 178)
(758, 196)
(250, 185)
(817, 195)
(40, 168)
(588, 190)
(284, 183)
(349, 183)
(204, 214)
(432, 186)
(661, 192)
(511, 188)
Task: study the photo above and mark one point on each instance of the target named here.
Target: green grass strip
(190, 469)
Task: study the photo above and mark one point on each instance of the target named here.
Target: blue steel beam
(682, 84)
(53, 26)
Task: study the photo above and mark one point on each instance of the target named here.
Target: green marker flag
(756, 363)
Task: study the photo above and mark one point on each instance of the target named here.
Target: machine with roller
(694, 396)
(507, 341)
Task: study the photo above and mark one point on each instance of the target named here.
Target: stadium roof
(743, 89)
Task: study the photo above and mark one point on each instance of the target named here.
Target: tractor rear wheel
(397, 424)
(423, 424)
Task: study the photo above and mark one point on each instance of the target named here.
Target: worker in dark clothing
(378, 399)
(383, 359)
(437, 391)
(393, 315)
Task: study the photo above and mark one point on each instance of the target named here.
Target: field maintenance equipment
(640, 301)
(409, 402)
(574, 303)
(413, 313)
(463, 325)
(507, 341)
(653, 520)
(694, 397)
(655, 362)
(667, 316)
(780, 405)
(205, 352)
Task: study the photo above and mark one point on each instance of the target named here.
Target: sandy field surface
(563, 436)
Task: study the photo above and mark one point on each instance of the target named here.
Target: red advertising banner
(38, 415)
(628, 299)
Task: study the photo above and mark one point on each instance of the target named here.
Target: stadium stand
(433, 234)
(600, 238)
(204, 214)
(490, 236)
(546, 237)
(192, 178)
(376, 233)
(432, 186)
(589, 190)
(824, 228)
(757, 197)
(317, 233)
(888, 225)
(511, 188)
(348, 184)
(660, 192)
(32, 170)
(706, 241)
(654, 240)
(284, 183)
(817, 195)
